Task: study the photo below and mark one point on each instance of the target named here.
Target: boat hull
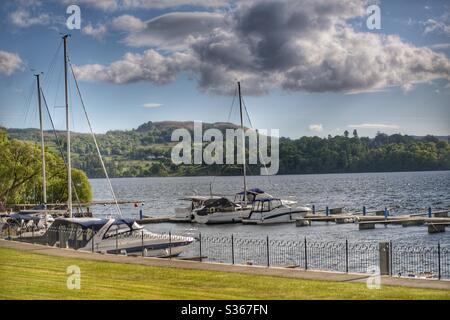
(221, 217)
(275, 216)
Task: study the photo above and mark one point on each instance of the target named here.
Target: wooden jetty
(435, 223)
(149, 220)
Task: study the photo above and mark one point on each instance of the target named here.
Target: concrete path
(221, 267)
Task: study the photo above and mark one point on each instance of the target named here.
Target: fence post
(93, 239)
(386, 212)
(59, 236)
(327, 211)
(439, 260)
(391, 261)
(306, 255)
(170, 244)
(140, 214)
(346, 256)
(268, 255)
(117, 240)
(314, 209)
(429, 212)
(232, 249)
(384, 253)
(142, 242)
(364, 210)
(200, 245)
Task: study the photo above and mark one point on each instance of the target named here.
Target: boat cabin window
(263, 206)
(118, 229)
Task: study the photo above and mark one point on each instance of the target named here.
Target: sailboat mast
(69, 163)
(243, 143)
(41, 121)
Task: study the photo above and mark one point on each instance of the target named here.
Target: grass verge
(25, 275)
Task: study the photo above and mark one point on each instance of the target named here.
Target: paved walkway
(221, 267)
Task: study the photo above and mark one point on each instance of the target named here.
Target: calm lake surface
(402, 193)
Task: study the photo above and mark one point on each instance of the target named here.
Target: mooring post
(429, 212)
(439, 260)
(327, 211)
(200, 245)
(364, 210)
(268, 256)
(384, 253)
(314, 209)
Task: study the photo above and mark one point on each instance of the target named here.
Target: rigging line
(228, 120)
(52, 64)
(95, 141)
(28, 101)
(59, 145)
(259, 151)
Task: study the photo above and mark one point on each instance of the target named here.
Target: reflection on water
(403, 193)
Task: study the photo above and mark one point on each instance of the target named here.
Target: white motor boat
(118, 235)
(186, 214)
(221, 210)
(273, 210)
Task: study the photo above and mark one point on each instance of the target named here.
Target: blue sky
(307, 68)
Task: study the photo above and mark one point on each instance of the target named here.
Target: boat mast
(243, 143)
(41, 120)
(69, 164)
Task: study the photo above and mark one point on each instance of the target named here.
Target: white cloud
(23, 18)
(103, 5)
(173, 31)
(152, 105)
(133, 67)
(374, 126)
(97, 32)
(440, 46)
(128, 23)
(432, 25)
(298, 45)
(10, 63)
(114, 5)
(316, 128)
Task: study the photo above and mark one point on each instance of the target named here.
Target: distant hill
(146, 150)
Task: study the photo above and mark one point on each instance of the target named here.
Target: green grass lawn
(26, 275)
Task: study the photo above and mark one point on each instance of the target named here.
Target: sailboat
(105, 232)
(223, 210)
(37, 219)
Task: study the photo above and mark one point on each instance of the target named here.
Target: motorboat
(273, 210)
(251, 195)
(113, 235)
(27, 222)
(218, 211)
(185, 214)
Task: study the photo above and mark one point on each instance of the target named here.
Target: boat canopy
(218, 203)
(91, 223)
(267, 199)
(253, 191)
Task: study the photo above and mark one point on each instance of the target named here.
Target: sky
(306, 67)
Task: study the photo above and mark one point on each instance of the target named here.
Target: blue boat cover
(254, 190)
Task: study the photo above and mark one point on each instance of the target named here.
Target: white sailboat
(222, 210)
(106, 234)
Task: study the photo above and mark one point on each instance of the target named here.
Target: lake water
(402, 193)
